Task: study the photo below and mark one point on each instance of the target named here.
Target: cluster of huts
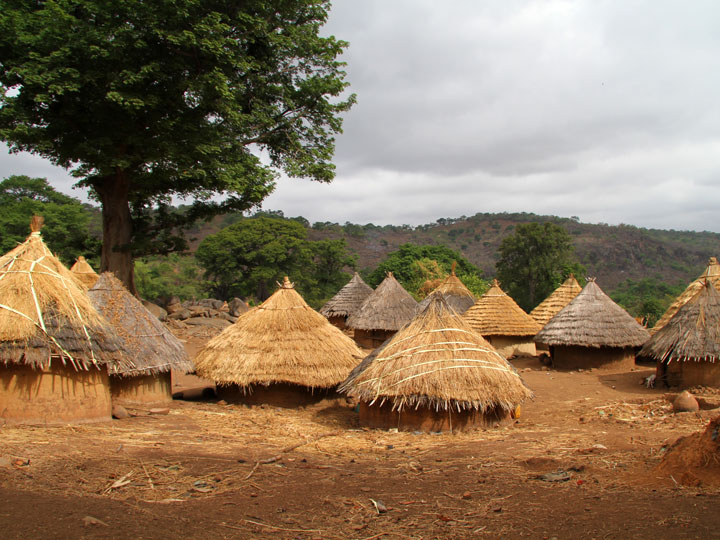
(79, 340)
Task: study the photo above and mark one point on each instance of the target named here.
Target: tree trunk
(117, 228)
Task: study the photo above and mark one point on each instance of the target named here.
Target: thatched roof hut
(593, 331)
(148, 343)
(54, 346)
(278, 352)
(347, 301)
(711, 274)
(84, 272)
(687, 347)
(435, 374)
(503, 323)
(456, 294)
(382, 313)
(559, 298)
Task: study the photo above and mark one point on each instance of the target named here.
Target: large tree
(146, 101)
(534, 261)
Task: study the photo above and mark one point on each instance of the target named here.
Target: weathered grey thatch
(281, 341)
(389, 307)
(437, 361)
(560, 298)
(348, 299)
(693, 333)
(456, 294)
(84, 272)
(711, 274)
(46, 316)
(592, 319)
(149, 345)
(496, 314)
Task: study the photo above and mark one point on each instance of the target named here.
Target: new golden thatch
(84, 272)
(688, 345)
(559, 298)
(711, 274)
(347, 301)
(456, 294)
(281, 341)
(435, 364)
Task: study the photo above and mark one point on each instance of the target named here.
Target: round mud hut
(503, 323)
(592, 331)
(282, 353)
(436, 374)
(149, 346)
(346, 302)
(84, 272)
(382, 313)
(55, 348)
(711, 274)
(456, 294)
(687, 347)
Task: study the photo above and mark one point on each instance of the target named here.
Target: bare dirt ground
(579, 463)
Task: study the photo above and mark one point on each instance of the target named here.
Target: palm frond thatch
(711, 274)
(281, 341)
(456, 294)
(693, 333)
(592, 319)
(348, 299)
(148, 343)
(389, 307)
(437, 361)
(496, 314)
(559, 298)
(84, 272)
(45, 315)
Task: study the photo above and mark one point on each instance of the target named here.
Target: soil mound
(695, 460)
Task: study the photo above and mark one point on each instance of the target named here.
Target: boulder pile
(205, 313)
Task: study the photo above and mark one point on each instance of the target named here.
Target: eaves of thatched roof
(592, 319)
(281, 341)
(559, 298)
(496, 314)
(348, 299)
(437, 361)
(389, 307)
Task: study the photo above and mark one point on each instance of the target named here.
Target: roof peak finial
(36, 224)
(286, 284)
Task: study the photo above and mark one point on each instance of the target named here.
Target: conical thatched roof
(437, 361)
(46, 316)
(496, 314)
(281, 341)
(84, 272)
(693, 333)
(711, 274)
(456, 294)
(348, 299)
(560, 298)
(389, 307)
(592, 319)
(149, 344)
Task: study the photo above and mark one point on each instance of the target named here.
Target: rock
(180, 315)
(227, 317)
(89, 520)
(156, 310)
(206, 321)
(237, 307)
(174, 308)
(159, 410)
(119, 412)
(467, 495)
(685, 402)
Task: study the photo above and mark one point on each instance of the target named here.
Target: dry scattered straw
(389, 307)
(496, 314)
(456, 294)
(592, 319)
(84, 272)
(149, 345)
(282, 341)
(560, 298)
(437, 361)
(46, 315)
(711, 274)
(348, 299)
(693, 333)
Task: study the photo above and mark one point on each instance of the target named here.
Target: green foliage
(648, 298)
(171, 275)
(534, 261)
(412, 265)
(248, 258)
(67, 220)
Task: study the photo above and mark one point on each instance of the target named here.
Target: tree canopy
(146, 101)
(534, 261)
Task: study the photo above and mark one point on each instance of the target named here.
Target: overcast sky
(605, 110)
